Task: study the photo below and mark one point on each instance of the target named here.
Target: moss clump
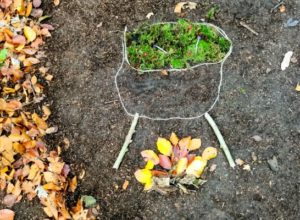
(178, 45)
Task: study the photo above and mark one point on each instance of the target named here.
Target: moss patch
(178, 45)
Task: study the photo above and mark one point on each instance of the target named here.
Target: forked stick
(223, 145)
(128, 140)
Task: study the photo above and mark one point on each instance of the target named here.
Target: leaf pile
(175, 165)
(179, 45)
(27, 168)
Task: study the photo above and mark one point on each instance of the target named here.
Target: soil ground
(257, 99)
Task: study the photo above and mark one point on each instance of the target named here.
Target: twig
(248, 28)
(223, 145)
(128, 140)
(161, 49)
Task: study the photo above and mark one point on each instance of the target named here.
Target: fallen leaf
(150, 155)
(185, 142)
(149, 15)
(164, 72)
(213, 167)
(165, 162)
(192, 5)
(239, 162)
(9, 200)
(209, 153)
(36, 3)
(247, 167)
(164, 146)
(196, 167)
(143, 175)
(181, 165)
(6, 214)
(29, 33)
(73, 184)
(297, 87)
(174, 139)
(195, 144)
(179, 6)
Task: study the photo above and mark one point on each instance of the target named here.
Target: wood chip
(125, 185)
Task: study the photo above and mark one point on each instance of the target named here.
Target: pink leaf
(19, 39)
(9, 200)
(36, 3)
(165, 162)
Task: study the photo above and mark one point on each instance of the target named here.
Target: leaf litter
(27, 168)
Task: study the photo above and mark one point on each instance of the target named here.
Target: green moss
(178, 45)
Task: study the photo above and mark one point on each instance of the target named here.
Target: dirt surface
(257, 99)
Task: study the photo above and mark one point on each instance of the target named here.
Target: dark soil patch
(84, 55)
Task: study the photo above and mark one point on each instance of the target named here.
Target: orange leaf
(195, 144)
(181, 165)
(6, 214)
(185, 142)
(209, 153)
(174, 139)
(73, 184)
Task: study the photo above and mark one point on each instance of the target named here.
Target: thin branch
(128, 140)
(248, 28)
(223, 145)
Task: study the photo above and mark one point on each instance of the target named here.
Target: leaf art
(175, 165)
(27, 169)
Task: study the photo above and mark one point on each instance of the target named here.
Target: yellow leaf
(297, 87)
(209, 153)
(39, 121)
(185, 142)
(33, 171)
(164, 146)
(5, 143)
(148, 186)
(196, 167)
(181, 165)
(8, 90)
(174, 139)
(150, 155)
(29, 33)
(149, 165)
(195, 144)
(143, 175)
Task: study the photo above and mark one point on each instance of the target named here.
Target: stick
(221, 139)
(248, 28)
(128, 140)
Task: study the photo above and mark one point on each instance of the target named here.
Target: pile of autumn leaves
(175, 165)
(27, 168)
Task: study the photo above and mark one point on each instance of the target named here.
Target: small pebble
(294, 60)
(257, 138)
(273, 164)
